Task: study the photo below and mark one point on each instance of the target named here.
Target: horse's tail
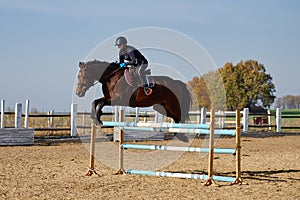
(186, 102)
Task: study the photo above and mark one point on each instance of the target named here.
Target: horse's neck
(96, 72)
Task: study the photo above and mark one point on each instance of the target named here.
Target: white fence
(197, 117)
(18, 118)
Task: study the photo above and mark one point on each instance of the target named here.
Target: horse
(169, 97)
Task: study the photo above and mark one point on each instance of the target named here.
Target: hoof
(148, 91)
(97, 122)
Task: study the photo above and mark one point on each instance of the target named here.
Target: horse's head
(93, 71)
(85, 79)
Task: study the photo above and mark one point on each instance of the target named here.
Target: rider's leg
(140, 71)
(142, 76)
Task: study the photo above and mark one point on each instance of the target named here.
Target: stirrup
(148, 91)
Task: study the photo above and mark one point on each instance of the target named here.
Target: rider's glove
(122, 65)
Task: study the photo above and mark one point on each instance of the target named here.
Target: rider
(135, 59)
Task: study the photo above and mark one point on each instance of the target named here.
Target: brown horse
(170, 97)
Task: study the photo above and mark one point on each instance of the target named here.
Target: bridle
(88, 82)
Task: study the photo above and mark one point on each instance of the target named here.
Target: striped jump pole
(180, 130)
(156, 125)
(176, 148)
(168, 127)
(178, 175)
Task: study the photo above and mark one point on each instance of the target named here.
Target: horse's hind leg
(173, 109)
(162, 109)
(176, 116)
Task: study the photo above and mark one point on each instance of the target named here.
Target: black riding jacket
(132, 55)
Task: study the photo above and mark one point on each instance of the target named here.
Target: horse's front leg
(94, 107)
(97, 106)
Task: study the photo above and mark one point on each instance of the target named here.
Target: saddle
(133, 81)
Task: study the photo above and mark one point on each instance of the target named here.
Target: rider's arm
(134, 59)
(121, 58)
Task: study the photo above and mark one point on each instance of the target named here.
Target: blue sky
(43, 41)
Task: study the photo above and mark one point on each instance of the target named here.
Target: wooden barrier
(16, 136)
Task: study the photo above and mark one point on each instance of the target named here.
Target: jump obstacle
(16, 136)
(165, 127)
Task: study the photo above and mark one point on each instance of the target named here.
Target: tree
(246, 85)
(288, 102)
(201, 91)
(209, 91)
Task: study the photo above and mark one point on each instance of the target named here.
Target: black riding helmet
(121, 40)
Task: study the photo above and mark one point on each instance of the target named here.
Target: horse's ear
(81, 64)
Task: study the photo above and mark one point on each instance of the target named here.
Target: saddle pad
(130, 79)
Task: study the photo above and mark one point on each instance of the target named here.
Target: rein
(109, 75)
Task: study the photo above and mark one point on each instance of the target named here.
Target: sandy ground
(270, 167)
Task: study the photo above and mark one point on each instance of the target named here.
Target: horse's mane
(97, 62)
(108, 68)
